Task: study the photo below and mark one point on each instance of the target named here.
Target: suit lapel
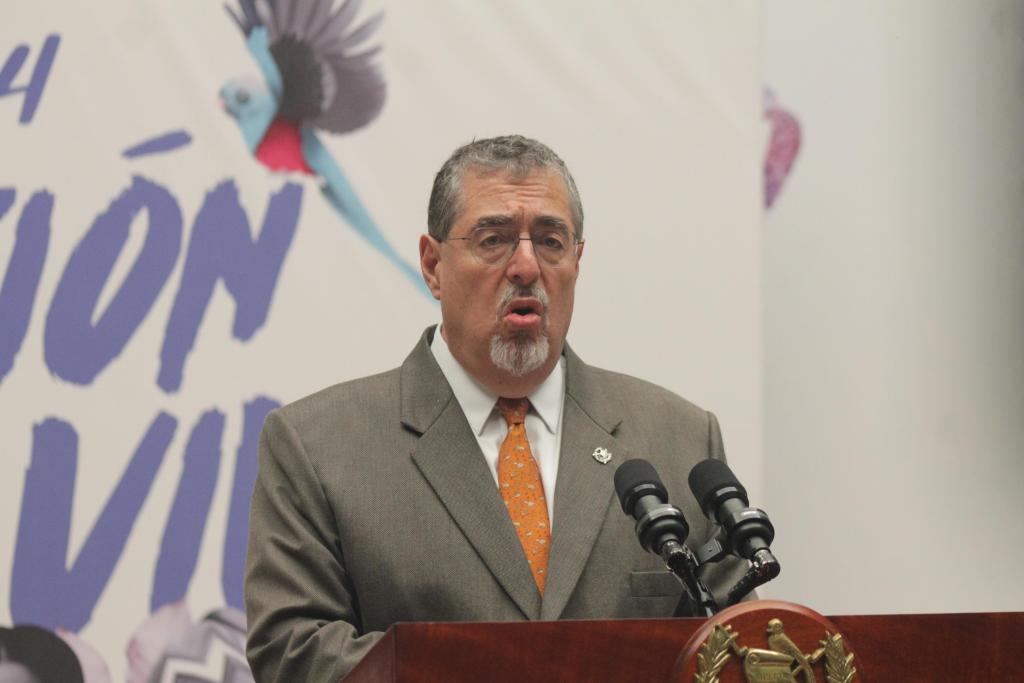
(449, 457)
(584, 488)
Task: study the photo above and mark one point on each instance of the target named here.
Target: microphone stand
(763, 567)
(683, 563)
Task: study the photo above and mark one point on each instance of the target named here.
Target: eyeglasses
(553, 246)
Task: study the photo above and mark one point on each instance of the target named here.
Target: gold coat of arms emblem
(781, 662)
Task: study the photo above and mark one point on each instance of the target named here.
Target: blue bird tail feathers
(348, 207)
(343, 198)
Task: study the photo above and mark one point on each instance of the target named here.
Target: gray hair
(514, 154)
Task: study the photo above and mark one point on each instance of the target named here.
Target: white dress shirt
(543, 421)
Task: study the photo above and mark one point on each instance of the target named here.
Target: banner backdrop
(173, 269)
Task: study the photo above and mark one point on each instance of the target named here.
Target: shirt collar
(477, 402)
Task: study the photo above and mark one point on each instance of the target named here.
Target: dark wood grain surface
(982, 647)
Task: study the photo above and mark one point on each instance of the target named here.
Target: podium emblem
(781, 662)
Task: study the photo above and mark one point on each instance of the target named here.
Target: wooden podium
(983, 647)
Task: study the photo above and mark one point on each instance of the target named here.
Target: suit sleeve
(723, 575)
(303, 620)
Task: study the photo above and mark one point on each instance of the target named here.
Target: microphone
(748, 531)
(645, 499)
(662, 529)
(724, 500)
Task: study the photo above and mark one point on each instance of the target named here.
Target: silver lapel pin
(602, 455)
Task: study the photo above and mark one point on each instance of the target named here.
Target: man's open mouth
(524, 307)
(523, 312)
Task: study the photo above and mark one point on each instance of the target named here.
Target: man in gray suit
(475, 481)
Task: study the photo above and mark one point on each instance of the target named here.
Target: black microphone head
(637, 478)
(712, 482)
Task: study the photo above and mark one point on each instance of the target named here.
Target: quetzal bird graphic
(315, 77)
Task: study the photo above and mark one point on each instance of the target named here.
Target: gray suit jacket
(373, 505)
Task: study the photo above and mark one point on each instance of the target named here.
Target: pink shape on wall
(783, 146)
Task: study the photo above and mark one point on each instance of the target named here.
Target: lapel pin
(602, 455)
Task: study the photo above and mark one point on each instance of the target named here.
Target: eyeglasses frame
(576, 244)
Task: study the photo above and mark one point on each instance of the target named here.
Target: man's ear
(430, 259)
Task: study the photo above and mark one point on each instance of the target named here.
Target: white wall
(894, 306)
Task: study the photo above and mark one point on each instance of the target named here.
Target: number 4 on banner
(34, 89)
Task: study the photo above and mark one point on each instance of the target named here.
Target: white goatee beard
(521, 355)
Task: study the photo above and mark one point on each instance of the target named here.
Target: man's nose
(523, 267)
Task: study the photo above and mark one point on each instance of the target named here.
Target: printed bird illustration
(315, 77)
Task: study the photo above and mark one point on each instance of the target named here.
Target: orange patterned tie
(521, 488)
